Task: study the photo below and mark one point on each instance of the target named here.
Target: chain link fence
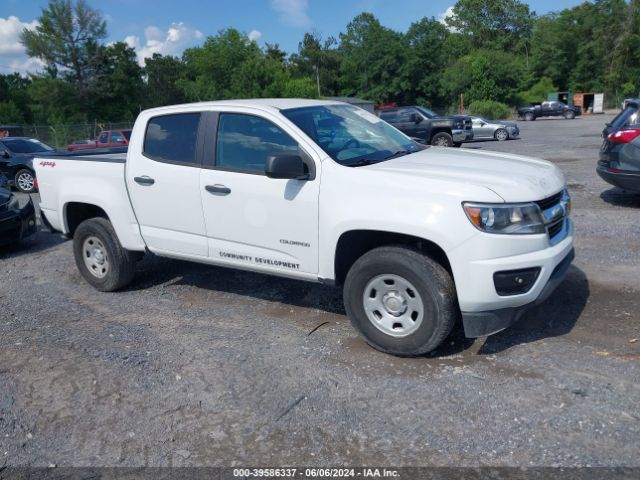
(60, 136)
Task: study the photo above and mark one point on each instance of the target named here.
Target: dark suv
(426, 126)
(619, 162)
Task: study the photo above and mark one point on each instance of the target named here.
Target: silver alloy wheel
(25, 181)
(393, 305)
(502, 134)
(95, 257)
(442, 142)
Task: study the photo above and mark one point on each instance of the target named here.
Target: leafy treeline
(489, 50)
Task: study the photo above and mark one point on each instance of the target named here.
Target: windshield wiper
(362, 163)
(399, 153)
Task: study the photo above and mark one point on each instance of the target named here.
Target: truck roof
(260, 103)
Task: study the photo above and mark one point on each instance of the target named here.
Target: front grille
(549, 202)
(555, 210)
(555, 228)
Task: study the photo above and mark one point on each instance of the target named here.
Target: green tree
(117, 88)
(319, 60)
(67, 39)
(371, 57)
(163, 74)
(502, 24)
(10, 113)
(426, 60)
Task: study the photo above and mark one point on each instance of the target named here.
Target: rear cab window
(172, 138)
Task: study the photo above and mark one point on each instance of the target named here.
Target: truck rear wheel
(569, 115)
(529, 117)
(400, 300)
(442, 139)
(102, 261)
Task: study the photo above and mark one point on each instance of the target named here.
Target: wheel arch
(352, 244)
(74, 213)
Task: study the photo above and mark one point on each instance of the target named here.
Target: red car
(106, 139)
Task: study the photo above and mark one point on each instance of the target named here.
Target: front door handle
(144, 180)
(218, 189)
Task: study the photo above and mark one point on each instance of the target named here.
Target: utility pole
(318, 79)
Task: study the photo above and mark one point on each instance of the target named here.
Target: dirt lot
(194, 365)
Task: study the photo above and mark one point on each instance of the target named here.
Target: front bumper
(513, 132)
(479, 324)
(17, 224)
(461, 135)
(624, 179)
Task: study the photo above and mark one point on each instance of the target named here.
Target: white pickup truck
(325, 192)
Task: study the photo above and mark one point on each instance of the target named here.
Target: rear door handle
(218, 189)
(144, 180)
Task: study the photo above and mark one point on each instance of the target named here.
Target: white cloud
(13, 56)
(442, 18)
(172, 42)
(254, 35)
(292, 12)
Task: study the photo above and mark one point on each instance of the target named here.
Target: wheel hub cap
(393, 305)
(95, 257)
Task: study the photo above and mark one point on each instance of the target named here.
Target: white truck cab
(326, 192)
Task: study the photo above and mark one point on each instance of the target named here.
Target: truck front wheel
(400, 300)
(529, 117)
(102, 261)
(442, 139)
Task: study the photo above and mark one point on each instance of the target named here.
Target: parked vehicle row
(427, 127)
(416, 236)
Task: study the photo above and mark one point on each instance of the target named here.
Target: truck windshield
(428, 113)
(350, 135)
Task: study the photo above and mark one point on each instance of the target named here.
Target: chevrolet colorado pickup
(326, 192)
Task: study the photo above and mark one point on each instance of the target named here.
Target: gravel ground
(195, 365)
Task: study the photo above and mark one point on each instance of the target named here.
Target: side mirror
(6, 154)
(415, 118)
(286, 166)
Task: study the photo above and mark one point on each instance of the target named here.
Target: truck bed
(95, 178)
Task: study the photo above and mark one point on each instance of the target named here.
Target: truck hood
(513, 177)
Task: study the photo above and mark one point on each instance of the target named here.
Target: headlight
(13, 203)
(515, 219)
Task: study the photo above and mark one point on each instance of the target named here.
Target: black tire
(529, 117)
(433, 284)
(457, 144)
(501, 134)
(121, 263)
(442, 139)
(569, 115)
(25, 181)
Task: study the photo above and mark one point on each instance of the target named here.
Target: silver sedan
(501, 130)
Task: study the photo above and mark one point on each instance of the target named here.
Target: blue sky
(169, 27)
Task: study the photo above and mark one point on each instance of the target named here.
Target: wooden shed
(589, 102)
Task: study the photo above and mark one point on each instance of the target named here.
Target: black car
(16, 221)
(619, 162)
(16, 161)
(428, 127)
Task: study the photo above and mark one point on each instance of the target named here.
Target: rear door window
(172, 138)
